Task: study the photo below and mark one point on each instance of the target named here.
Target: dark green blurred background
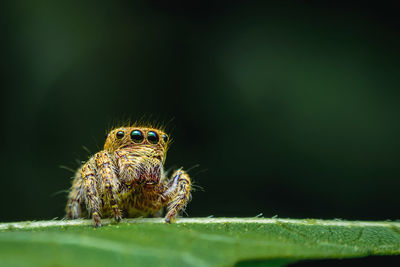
(289, 109)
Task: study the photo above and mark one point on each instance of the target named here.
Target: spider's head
(144, 141)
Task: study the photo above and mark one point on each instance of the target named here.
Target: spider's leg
(75, 197)
(177, 194)
(88, 173)
(105, 171)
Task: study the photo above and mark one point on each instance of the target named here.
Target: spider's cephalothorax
(127, 179)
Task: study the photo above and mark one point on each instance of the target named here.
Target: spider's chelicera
(127, 179)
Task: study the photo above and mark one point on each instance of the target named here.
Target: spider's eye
(165, 138)
(136, 136)
(120, 134)
(152, 137)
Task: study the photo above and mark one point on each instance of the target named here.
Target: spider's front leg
(177, 194)
(109, 181)
(88, 173)
(75, 197)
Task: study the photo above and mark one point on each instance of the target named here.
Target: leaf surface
(192, 241)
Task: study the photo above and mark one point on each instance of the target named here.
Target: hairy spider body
(127, 179)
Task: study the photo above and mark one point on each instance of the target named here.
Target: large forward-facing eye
(137, 136)
(152, 137)
(119, 134)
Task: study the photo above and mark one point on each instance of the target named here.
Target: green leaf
(192, 242)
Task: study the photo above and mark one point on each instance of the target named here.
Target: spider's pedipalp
(177, 194)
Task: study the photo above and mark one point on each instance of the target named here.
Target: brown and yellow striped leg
(88, 173)
(110, 182)
(75, 197)
(178, 194)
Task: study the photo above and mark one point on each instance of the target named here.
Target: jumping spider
(127, 179)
